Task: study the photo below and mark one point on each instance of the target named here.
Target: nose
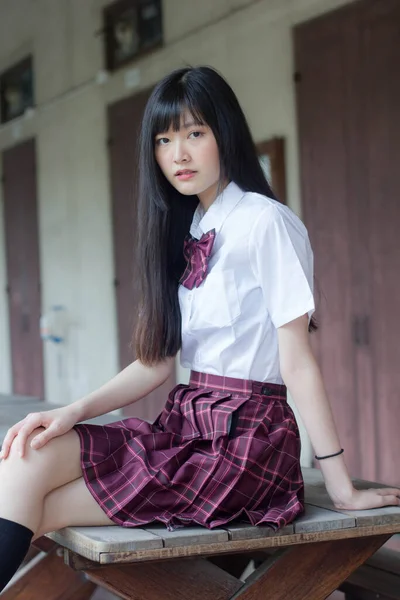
(180, 153)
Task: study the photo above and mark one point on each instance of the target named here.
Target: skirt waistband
(241, 386)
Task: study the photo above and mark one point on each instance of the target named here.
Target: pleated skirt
(221, 450)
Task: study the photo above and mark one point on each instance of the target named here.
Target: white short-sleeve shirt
(260, 276)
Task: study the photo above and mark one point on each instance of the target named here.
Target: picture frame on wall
(132, 28)
(271, 154)
(16, 90)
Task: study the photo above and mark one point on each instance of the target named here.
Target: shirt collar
(219, 210)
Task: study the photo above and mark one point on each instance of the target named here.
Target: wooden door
(321, 79)
(23, 270)
(347, 95)
(124, 118)
(380, 44)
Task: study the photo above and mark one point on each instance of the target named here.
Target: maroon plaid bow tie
(197, 254)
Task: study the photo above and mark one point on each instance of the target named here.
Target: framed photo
(272, 158)
(132, 28)
(16, 90)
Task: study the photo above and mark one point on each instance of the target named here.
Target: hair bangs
(171, 107)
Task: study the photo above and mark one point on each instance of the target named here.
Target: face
(189, 159)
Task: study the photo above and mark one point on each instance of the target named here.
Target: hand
(55, 422)
(370, 498)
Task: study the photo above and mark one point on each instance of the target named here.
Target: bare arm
(131, 384)
(127, 387)
(302, 376)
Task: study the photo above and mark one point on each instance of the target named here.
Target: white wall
(249, 41)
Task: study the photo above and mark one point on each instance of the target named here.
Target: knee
(26, 471)
(52, 465)
(30, 464)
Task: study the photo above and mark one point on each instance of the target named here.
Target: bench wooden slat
(242, 531)
(314, 519)
(91, 542)
(321, 519)
(188, 536)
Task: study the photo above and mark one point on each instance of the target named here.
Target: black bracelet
(329, 455)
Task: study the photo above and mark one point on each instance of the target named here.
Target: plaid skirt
(222, 449)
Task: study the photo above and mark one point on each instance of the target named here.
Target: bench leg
(197, 579)
(51, 579)
(309, 570)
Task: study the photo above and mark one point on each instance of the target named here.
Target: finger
(5, 447)
(391, 500)
(389, 491)
(32, 423)
(386, 500)
(8, 440)
(42, 438)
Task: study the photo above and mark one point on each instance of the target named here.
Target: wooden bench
(377, 578)
(312, 556)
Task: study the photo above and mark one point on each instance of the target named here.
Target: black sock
(15, 540)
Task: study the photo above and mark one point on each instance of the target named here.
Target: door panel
(380, 35)
(348, 96)
(321, 77)
(23, 270)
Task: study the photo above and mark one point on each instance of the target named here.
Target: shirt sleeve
(282, 260)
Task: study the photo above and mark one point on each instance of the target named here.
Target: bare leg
(24, 482)
(71, 504)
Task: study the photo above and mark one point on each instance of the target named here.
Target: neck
(209, 195)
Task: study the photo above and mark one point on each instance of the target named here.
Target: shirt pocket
(216, 302)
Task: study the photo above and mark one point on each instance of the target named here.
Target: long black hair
(165, 215)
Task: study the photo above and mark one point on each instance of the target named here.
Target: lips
(185, 175)
(184, 172)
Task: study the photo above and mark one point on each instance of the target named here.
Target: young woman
(236, 296)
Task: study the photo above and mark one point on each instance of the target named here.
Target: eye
(196, 134)
(162, 141)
